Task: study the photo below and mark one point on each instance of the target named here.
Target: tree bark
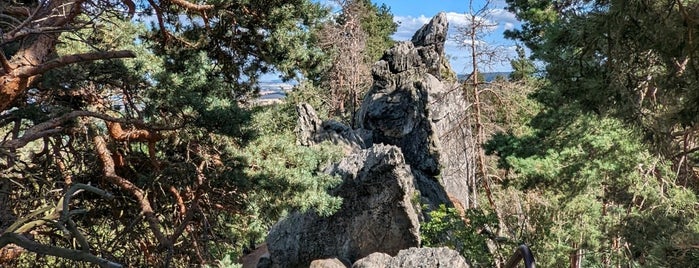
(35, 57)
(108, 170)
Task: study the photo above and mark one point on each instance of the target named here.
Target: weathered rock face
(429, 42)
(452, 127)
(414, 258)
(416, 104)
(311, 130)
(377, 214)
(374, 260)
(395, 107)
(327, 263)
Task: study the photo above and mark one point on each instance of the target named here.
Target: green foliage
(279, 36)
(314, 95)
(226, 262)
(352, 42)
(601, 186)
(294, 171)
(378, 24)
(234, 169)
(611, 178)
(466, 235)
(522, 67)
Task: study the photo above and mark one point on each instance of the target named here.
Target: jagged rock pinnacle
(433, 33)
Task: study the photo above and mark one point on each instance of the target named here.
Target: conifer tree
(611, 156)
(158, 159)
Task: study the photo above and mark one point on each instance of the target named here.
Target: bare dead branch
(16, 11)
(64, 203)
(51, 127)
(24, 224)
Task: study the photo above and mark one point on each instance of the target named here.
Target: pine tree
(157, 160)
(611, 156)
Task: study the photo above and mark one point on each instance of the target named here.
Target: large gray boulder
(374, 260)
(415, 258)
(327, 263)
(377, 214)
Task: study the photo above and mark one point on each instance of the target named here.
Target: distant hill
(489, 77)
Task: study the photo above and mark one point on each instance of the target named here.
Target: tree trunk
(15, 80)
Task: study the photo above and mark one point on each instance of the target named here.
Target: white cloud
(334, 6)
(460, 20)
(503, 16)
(469, 42)
(454, 46)
(407, 26)
(497, 17)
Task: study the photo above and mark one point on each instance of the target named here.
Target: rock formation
(414, 258)
(311, 130)
(412, 143)
(328, 263)
(416, 104)
(377, 214)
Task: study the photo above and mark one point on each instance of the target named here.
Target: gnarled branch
(71, 254)
(70, 59)
(50, 127)
(110, 174)
(191, 6)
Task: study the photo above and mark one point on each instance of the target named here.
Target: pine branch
(191, 6)
(110, 174)
(71, 254)
(70, 59)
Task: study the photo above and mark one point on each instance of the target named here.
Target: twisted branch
(71, 254)
(110, 174)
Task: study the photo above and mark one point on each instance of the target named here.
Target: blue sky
(412, 14)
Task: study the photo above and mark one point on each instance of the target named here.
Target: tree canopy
(610, 160)
(129, 135)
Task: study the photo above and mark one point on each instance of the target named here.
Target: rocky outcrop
(377, 214)
(414, 258)
(374, 260)
(416, 104)
(311, 130)
(412, 143)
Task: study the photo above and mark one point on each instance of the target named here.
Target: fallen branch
(59, 216)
